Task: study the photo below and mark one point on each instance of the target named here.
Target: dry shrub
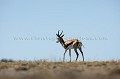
(22, 68)
(115, 71)
(3, 67)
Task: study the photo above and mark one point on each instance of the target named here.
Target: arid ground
(60, 70)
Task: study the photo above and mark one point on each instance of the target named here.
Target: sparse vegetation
(60, 70)
(6, 60)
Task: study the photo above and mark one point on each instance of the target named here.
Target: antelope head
(60, 37)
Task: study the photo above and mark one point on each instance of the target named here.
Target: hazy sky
(95, 22)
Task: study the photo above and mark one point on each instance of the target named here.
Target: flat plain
(60, 70)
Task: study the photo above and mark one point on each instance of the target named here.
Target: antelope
(70, 44)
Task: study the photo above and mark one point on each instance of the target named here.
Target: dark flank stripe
(68, 44)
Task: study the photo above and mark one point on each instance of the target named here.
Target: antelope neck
(63, 43)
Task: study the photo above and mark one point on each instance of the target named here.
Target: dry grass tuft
(115, 71)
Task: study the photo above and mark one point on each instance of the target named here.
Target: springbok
(70, 44)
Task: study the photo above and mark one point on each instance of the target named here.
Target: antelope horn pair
(59, 35)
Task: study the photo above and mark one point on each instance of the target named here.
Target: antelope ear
(57, 35)
(62, 35)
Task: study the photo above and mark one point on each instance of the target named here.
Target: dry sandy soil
(60, 70)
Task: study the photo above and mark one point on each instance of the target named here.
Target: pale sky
(87, 20)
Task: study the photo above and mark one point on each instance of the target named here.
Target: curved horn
(61, 33)
(58, 32)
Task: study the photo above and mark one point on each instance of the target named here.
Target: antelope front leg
(64, 55)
